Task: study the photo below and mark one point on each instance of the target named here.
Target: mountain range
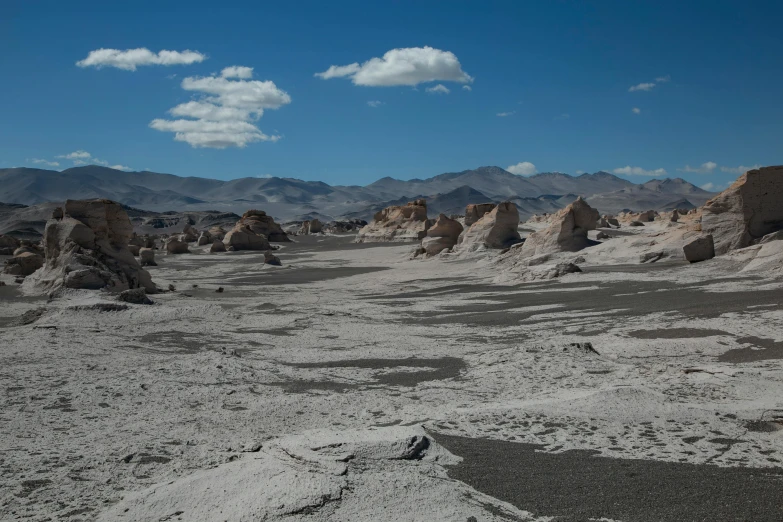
(292, 199)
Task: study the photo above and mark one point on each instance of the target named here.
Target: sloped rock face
(495, 229)
(86, 246)
(442, 235)
(567, 233)
(475, 212)
(748, 210)
(260, 224)
(397, 223)
(700, 249)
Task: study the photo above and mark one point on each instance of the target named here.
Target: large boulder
(699, 249)
(204, 239)
(397, 223)
(217, 246)
(242, 237)
(313, 226)
(86, 246)
(217, 233)
(260, 224)
(475, 212)
(7, 245)
(189, 234)
(495, 229)
(177, 245)
(442, 235)
(749, 209)
(271, 259)
(23, 264)
(567, 233)
(147, 257)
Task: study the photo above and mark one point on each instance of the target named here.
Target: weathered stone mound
(699, 249)
(86, 246)
(397, 223)
(260, 224)
(313, 226)
(7, 245)
(242, 237)
(749, 209)
(177, 245)
(495, 229)
(442, 235)
(343, 227)
(23, 264)
(567, 233)
(475, 212)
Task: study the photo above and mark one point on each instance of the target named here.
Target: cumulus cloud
(407, 66)
(663, 79)
(523, 168)
(374, 103)
(638, 171)
(467, 88)
(704, 168)
(77, 155)
(438, 89)
(504, 114)
(44, 162)
(641, 87)
(636, 110)
(82, 157)
(129, 59)
(225, 113)
(742, 169)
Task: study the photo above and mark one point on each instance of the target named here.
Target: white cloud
(224, 115)
(408, 66)
(580, 172)
(638, 171)
(636, 110)
(523, 168)
(131, 58)
(641, 87)
(438, 89)
(704, 168)
(742, 169)
(663, 79)
(504, 114)
(120, 167)
(44, 162)
(237, 71)
(374, 103)
(79, 154)
(467, 88)
(82, 157)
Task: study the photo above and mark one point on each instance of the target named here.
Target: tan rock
(242, 237)
(24, 264)
(495, 229)
(699, 249)
(313, 226)
(748, 210)
(567, 233)
(442, 235)
(397, 223)
(259, 223)
(217, 232)
(474, 212)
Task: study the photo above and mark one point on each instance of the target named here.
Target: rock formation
(748, 210)
(442, 235)
(217, 233)
(475, 212)
(190, 234)
(23, 264)
(313, 226)
(343, 227)
(86, 246)
(204, 239)
(242, 237)
(271, 259)
(699, 249)
(147, 257)
(397, 223)
(177, 245)
(217, 246)
(567, 233)
(7, 245)
(259, 223)
(495, 229)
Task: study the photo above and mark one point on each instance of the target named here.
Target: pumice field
(568, 366)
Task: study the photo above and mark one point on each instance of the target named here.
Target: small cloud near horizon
(505, 114)
(639, 171)
(523, 168)
(704, 168)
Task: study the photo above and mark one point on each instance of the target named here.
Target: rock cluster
(442, 235)
(254, 230)
(494, 229)
(86, 246)
(397, 223)
(313, 226)
(566, 233)
(343, 227)
(749, 209)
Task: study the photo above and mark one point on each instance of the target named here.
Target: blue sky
(559, 72)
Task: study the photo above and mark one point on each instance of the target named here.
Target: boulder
(475, 212)
(135, 296)
(635, 224)
(613, 222)
(242, 237)
(749, 209)
(567, 233)
(442, 235)
(699, 249)
(217, 233)
(204, 239)
(675, 216)
(177, 245)
(313, 226)
(189, 234)
(134, 249)
(217, 246)
(271, 259)
(602, 235)
(397, 223)
(23, 264)
(87, 247)
(8, 243)
(147, 257)
(260, 224)
(495, 229)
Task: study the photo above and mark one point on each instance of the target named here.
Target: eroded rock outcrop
(177, 245)
(475, 212)
(260, 224)
(699, 249)
(442, 235)
(242, 237)
(398, 223)
(147, 257)
(23, 264)
(7, 245)
(313, 226)
(495, 229)
(217, 246)
(567, 233)
(746, 211)
(86, 246)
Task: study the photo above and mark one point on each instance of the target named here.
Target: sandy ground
(355, 384)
